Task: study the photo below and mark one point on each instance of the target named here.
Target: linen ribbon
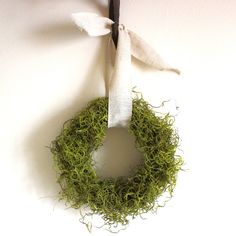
(120, 83)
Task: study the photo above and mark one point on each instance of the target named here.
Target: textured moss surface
(116, 199)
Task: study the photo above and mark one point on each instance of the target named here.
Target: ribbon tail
(93, 24)
(143, 52)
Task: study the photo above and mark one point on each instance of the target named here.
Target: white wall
(49, 70)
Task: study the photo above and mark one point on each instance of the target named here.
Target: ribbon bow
(129, 43)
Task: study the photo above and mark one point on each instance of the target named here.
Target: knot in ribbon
(120, 83)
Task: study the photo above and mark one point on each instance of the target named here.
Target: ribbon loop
(120, 86)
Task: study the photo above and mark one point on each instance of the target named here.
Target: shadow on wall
(55, 24)
(38, 5)
(116, 158)
(56, 33)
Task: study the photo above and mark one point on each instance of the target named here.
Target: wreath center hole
(118, 156)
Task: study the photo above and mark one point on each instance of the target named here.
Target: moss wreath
(116, 199)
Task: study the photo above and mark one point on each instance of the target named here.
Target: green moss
(116, 199)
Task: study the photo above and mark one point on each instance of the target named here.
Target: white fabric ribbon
(120, 85)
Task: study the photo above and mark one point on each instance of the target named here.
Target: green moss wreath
(116, 199)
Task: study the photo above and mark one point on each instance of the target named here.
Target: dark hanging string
(114, 15)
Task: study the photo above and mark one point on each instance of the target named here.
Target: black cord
(114, 15)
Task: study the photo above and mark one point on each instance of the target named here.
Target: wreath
(116, 199)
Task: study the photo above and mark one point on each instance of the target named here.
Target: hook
(114, 15)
